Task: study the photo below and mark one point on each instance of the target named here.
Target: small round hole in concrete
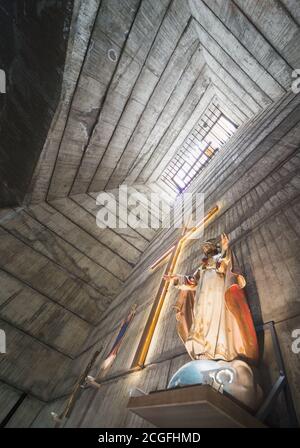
(112, 55)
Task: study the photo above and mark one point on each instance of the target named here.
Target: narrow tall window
(212, 131)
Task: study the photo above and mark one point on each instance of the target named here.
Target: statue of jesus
(213, 317)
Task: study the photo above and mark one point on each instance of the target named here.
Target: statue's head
(210, 247)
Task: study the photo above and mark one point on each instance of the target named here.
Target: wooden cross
(172, 253)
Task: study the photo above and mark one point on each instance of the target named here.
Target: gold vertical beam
(173, 252)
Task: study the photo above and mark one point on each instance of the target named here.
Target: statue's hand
(169, 277)
(178, 316)
(224, 242)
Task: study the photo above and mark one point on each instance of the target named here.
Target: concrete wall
(58, 274)
(34, 38)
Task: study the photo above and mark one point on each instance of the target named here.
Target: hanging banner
(107, 363)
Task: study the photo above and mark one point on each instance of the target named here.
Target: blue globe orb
(194, 372)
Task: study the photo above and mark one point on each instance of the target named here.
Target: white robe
(214, 333)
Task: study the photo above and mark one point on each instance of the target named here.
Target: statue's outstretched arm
(184, 282)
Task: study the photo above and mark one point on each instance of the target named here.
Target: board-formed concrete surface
(138, 76)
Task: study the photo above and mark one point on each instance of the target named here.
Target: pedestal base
(192, 407)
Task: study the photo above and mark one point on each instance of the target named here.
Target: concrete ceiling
(139, 74)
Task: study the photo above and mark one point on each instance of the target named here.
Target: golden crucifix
(172, 253)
